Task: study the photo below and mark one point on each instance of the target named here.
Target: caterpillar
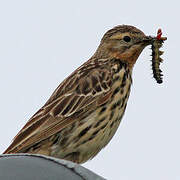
(156, 59)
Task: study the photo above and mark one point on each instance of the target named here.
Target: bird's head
(123, 42)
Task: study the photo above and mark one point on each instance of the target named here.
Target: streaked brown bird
(85, 110)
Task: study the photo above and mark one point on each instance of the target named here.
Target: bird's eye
(126, 38)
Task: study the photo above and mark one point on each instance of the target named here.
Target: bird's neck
(105, 53)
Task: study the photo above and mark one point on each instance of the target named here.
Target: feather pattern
(85, 110)
(85, 87)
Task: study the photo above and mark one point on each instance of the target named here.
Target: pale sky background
(43, 41)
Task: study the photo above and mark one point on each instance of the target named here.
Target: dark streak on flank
(118, 102)
(102, 127)
(124, 80)
(129, 88)
(95, 132)
(122, 91)
(102, 110)
(112, 114)
(111, 125)
(114, 106)
(117, 119)
(92, 136)
(116, 91)
(99, 122)
(84, 131)
(117, 78)
(123, 101)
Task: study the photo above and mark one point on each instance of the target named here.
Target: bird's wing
(78, 95)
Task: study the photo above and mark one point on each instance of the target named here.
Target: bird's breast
(113, 111)
(98, 128)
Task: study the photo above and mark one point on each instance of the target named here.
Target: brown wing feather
(88, 86)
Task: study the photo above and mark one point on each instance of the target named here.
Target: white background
(42, 42)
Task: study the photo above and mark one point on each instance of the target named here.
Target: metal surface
(38, 167)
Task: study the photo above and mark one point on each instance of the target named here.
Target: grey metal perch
(39, 167)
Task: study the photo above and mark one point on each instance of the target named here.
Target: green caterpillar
(156, 60)
(156, 53)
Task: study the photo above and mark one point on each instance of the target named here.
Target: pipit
(85, 110)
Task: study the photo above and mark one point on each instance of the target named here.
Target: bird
(85, 110)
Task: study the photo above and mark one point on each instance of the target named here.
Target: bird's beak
(145, 41)
(148, 40)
